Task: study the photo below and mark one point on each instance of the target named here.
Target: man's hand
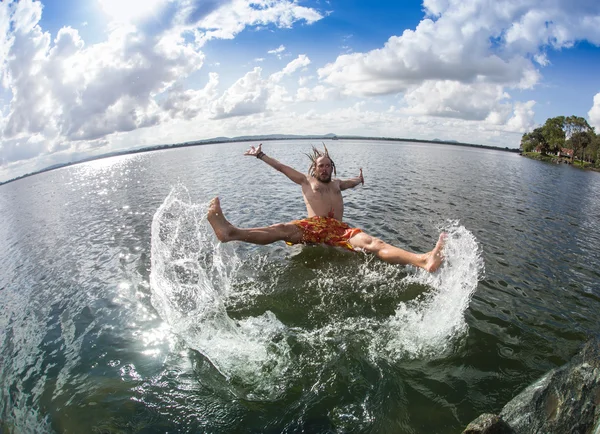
(352, 182)
(253, 152)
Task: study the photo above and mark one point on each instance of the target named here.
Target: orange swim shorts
(326, 230)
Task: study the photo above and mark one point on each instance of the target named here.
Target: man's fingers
(253, 150)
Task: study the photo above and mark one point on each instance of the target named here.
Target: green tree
(533, 140)
(539, 140)
(554, 133)
(580, 140)
(591, 151)
(577, 132)
(527, 143)
(596, 143)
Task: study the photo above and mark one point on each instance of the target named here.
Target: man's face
(324, 169)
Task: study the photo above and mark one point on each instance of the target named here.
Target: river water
(121, 312)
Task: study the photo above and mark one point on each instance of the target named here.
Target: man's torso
(323, 199)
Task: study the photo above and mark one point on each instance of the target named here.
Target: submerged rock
(565, 400)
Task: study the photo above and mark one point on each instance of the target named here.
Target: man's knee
(376, 244)
(289, 231)
(368, 243)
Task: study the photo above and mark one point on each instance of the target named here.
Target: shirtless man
(325, 207)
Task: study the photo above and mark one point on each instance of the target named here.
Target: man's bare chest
(324, 189)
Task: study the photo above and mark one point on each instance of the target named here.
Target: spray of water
(430, 325)
(191, 281)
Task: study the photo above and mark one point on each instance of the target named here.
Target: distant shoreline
(557, 160)
(253, 139)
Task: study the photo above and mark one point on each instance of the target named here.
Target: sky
(87, 77)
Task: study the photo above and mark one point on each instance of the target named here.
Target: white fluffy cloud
(300, 62)
(462, 59)
(67, 91)
(187, 104)
(247, 96)
(61, 93)
(277, 50)
(522, 117)
(454, 99)
(476, 102)
(317, 93)
(225, 19)
(594, 113)
(253, 94)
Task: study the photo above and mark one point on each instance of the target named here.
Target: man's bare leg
(225, 231)
(429, 261)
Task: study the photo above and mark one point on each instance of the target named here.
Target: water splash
(430, 325)
(190, 279)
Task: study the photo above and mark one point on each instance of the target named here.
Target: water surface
(122, 313)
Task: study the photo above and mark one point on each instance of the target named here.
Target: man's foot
(223, 229)
(436, 257)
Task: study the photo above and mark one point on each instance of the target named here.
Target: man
(325, 207)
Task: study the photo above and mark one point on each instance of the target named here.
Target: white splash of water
(430, 325)
(190, 279)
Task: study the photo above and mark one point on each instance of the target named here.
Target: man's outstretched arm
(293, 174)
(352, 182)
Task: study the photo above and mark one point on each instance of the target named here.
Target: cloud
(522, 117)
(302, 81)
(558, 25)
(225, 19)
(75, 96)
(63, 90)
(594, 113)
(188, 103)
(254, 94)
(131, 10)
(246, 96)
(317, 93)
(475, 102)
(542, 59)
(278, 50)
(454, 99)
(300, 62)
(23, 149)
(476, 49)
(434, 51)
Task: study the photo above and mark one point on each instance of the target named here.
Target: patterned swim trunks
(326, 230)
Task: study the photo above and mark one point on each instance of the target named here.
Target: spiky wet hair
(315, 155)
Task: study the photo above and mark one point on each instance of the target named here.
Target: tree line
(570, 132)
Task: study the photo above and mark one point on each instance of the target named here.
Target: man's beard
(326, 180)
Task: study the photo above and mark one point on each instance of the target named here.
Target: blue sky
(82, 78)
